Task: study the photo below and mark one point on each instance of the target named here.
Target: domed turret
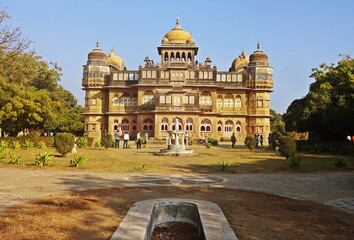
(259, 56)
(115, 60)
(239, 63)
(96, 54)
(178, 36)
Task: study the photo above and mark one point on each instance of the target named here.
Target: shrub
(64, 143)
(43, 159)
(3, 152)
(340, 163)
(143, 140)
(28, 144)
(16, 144)
(107, 140)
(208, 145)
(250, 142)
(41, 144)
(97, 144)
(213, 141)
(14, 160)
(82, 142)
(77, 161)
(294, 162)
(3, 144)
(223, 165)
(287, 146)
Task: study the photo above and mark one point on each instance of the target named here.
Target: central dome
(178, 36)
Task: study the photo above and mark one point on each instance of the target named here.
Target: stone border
(137, 221)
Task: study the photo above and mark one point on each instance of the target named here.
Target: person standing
(126, 140)
(116, 138)
(233, 140)
(261, 140)
(138, 141)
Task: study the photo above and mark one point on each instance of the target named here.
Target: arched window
(229, 101)
(189, 58)
(172, 57)
(125, 100)
(229, 126)
(219, 102)
(164, 124)
(205, 125)
(205, 99)
(178, 56)
(238, 127)
(148, 124)
(183, 56)
(219, 126)
(115, 101)
(180, 127)
(125, 125)
(148, 98)
(238, 103)
(189, 125)
(166, 56)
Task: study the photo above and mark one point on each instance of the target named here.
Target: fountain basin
(143, 216)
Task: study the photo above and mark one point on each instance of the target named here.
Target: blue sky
(296, 35)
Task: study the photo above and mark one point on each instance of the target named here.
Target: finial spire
(258, 46)
(177, 21)
(97, 44)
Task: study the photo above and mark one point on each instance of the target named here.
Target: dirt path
(335, 188)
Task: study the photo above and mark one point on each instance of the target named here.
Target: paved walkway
(332, 188)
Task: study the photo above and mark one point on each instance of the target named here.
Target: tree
(11, 39)
(327, 110)
(276, 123)
(31, 97)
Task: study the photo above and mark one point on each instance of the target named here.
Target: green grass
(240, 160)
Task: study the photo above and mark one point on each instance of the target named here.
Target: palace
(206, 102)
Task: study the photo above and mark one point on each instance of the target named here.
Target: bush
(41, 144)
(82, 142)
(327, 147)
(287, 146)
(16, 145)
(64, 142)
(43, 159)
(223, 166)
(107, 140)
(28, 144)
(250, 142)
(213, 141)
(340, 163)
(294, 162)
(3, 144)
(3, 152)
(97, 144)
(14, 160)
(78, 161)
(143, 140)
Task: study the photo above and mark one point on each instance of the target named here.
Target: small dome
(258, 56)
(178, 36)
(240, 62)
(115, 60)
(96, 53)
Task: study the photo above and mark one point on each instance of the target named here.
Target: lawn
(219, 158)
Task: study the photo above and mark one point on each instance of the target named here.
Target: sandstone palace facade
(207, 102)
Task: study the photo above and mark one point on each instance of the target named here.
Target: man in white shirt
(126, 140)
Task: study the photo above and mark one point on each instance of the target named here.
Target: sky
(296, 35)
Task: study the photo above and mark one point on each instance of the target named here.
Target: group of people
(126, 139)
